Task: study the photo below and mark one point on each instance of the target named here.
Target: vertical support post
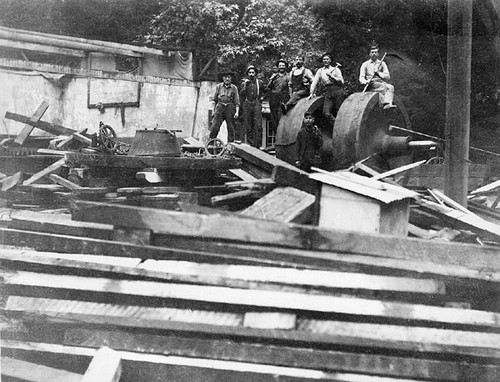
(458, 86)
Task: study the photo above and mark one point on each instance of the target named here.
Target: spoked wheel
(215, 147)
(107, 137)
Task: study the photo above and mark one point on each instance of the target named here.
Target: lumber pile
(194, 297)
(217, 269)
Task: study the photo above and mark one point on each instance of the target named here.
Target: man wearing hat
(299, 84)
(252, 90)
(375, 74)
(329, 79)
(278, 88)
(227, 105)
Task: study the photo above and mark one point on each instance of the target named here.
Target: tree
(239, 31)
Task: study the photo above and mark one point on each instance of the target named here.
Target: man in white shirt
(329, 79)
(375, 74)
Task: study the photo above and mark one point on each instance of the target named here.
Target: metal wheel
(215, 147)
(107, 137)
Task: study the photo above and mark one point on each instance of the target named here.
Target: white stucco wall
(165, 106)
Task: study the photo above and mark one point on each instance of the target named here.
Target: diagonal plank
(46, 171)
(31, 124)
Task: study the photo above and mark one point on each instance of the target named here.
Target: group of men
(285, 88)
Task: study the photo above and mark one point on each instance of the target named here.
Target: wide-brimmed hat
(281, 60)
(226, 72)
(251, 67)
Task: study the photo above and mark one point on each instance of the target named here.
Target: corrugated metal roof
(384, 192)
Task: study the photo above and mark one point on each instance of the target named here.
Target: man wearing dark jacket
(251, 93)
(278, 92)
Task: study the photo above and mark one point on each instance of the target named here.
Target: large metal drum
(361, 130)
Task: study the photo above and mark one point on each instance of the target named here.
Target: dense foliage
(242, 32)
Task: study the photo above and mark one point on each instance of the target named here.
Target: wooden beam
(397, 170)
(296, 356)
(464, 220)
(58, 224)
(370, 337)
(12, 181)
(484, 278)
(235, 197)
(290, 301)
(75, 137)
(26, 131)
(64, 182)
(458, 86)
(45, 126)
(32, 372)
(104, 367)
(153, 367)
(242, 174)
(48, 170)
(41, 48)
(241, 276)
(293, 177)
(285, 234)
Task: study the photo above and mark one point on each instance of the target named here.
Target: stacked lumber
(196, 298)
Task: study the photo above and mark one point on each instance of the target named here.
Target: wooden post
(458, 99)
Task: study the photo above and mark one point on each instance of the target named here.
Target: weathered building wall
(180, 105)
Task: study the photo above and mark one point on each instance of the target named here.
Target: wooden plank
(226, 275)
(287, 235)
(154, 368)
(12, 181)
(451, 202)
(257, 157)
(57, 224)
(235, 197)
(250, 183)
(48, 170)
(45, 126)
(75, 307)
(377, 337)
(32, 372)
(487, 188)
(470, 279)
(293, 177)
(285, 204)
(33, 121)
(291, 301)
(53, 152)
(398, 170)
(104, 367)
(328, 360)
(64, 182)
(242, 174)
(75, 137)
(270, 320)
(132, 235)
(460, 219)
